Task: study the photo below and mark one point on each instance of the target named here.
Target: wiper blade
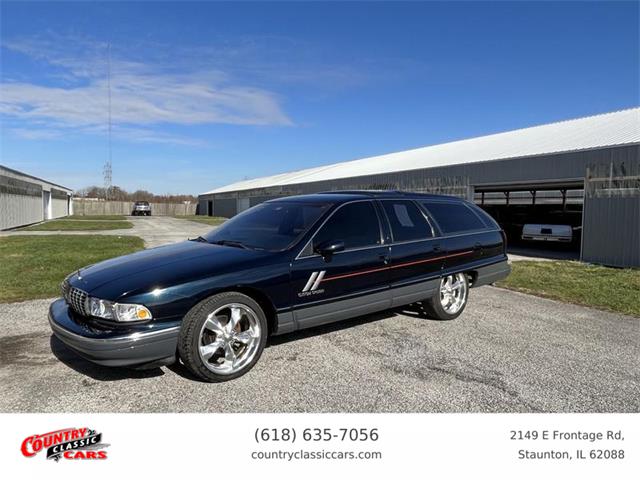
(199, 238)
(232, 243)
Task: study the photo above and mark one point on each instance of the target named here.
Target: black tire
(189, 339)
(433, 306)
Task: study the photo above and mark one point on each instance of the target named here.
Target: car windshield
(269, 226)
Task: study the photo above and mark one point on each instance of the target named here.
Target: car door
(347, 283)
(416, 255)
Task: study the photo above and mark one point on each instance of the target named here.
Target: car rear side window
(454, 217)
(356, 224)
(485, 217)
(407, 221)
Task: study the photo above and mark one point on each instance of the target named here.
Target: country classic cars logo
(70, 443)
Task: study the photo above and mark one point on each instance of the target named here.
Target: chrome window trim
(464, 234)
(381, 244)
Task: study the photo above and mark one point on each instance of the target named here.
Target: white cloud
(143, 100)
(142, 95)
(35, 134)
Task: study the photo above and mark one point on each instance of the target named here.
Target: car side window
(487, 219)
(356, 224)
(454, 217)
(407, 221)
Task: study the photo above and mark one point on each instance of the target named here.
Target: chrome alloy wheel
(453, 293)
(229, 338)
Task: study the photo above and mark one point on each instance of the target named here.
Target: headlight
(102, 308)
(121, 312)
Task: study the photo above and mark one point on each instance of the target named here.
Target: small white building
(25, 199)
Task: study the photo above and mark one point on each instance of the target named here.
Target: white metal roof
(608, 129)
(46, 184)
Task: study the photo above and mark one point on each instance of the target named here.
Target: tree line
(120, 194)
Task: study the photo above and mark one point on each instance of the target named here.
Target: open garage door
(540, 219)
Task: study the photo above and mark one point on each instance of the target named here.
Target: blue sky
(205, 94)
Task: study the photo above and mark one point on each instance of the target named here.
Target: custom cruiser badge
(311, 287)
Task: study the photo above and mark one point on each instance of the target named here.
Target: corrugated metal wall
(16, 210)
(203, 207)
(22, 199)
(20, 202)
(461, 179)
(454, 179)
(611, 216)
(59, 203)
(224, 207)
(611, 231)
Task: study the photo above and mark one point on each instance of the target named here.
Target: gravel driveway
(155, 231)
(508, 352)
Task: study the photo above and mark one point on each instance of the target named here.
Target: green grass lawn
(203, 219)
(64, 224)
(96, 217)
(614, 289)
(33, 266)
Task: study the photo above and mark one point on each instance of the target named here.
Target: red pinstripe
(391, 267)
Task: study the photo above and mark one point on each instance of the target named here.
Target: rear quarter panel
(473, 249)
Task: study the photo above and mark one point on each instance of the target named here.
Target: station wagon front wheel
(450, 298)
(223, 337)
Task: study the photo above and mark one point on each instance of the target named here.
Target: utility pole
(106, 171)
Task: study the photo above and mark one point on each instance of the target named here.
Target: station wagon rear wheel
(223, 337)
(450, 298)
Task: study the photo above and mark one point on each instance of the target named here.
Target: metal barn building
(583, 172)
(25, 199)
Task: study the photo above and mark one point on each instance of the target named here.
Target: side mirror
(328, 248)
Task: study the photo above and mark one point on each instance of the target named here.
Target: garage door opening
(540, 220)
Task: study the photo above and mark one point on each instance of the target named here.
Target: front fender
(271, 281)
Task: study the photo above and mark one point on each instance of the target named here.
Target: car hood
(161, 267)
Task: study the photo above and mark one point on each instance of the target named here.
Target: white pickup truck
(547, 233)
(141, 208)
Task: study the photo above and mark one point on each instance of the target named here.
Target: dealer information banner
(289, 445)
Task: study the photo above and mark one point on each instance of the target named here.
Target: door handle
(436, 247)
(385, 258)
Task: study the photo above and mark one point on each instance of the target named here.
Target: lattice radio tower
(106, 171)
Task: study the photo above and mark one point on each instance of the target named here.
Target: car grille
(76, 298)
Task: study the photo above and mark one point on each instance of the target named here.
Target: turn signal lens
(126, 312)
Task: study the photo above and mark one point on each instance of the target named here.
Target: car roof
(341, 196)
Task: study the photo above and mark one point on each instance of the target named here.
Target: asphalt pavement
(508, 352)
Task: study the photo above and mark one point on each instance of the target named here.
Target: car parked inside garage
(281, 266)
